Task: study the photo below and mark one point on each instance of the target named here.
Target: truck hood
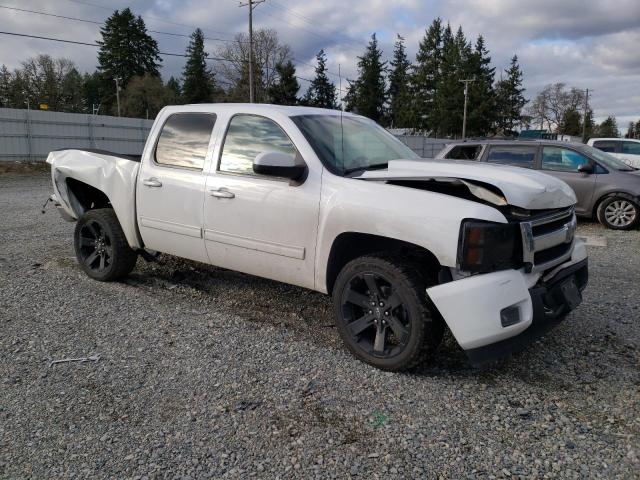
(519, 187)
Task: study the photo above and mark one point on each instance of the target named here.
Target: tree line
(424, 94)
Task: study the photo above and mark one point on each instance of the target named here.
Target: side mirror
(585, 168)
(278, 164)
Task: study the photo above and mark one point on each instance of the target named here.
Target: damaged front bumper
(551, 302)
(497, 314)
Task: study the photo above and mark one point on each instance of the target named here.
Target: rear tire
(619, 213)
(101, 247)
(383, 314)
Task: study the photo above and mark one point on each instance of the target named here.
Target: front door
(170, 191)
(563, 163)
(261, 225)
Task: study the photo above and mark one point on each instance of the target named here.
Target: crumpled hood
(521, 187)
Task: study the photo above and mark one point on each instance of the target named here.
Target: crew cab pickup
(332, 202)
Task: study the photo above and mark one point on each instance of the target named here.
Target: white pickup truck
(334, 203)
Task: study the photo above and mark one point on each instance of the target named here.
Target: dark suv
(604, 185)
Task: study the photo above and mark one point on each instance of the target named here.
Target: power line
(158, 19)
(75, 42)
(95, 22)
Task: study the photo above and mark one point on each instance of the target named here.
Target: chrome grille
(547, 240)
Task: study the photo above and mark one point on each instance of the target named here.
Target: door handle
(221, 193)
(152, 182)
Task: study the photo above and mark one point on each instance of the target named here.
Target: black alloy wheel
(96, 251)
(101, 246)
(376, 317)
(383, 314)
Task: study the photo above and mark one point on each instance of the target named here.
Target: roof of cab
(257, 108)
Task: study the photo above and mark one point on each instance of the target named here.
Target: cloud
(587, 44)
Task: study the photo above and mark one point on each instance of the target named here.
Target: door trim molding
(280, 249)
(172, 227)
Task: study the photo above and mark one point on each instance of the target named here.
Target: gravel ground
(206, 373)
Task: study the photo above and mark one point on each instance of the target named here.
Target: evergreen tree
(321, 93)
(481, 106)
(5, 87)
(426, 74)
(400, 101)
(368, 96)
(630, 129)
(175, 91)
(510, 99)
(198, 83)
(571, 123)
(447, 112)
(72, 98)
(126, 50)
(285, 90)
(591, 129)
(93, 89)
(144, 96)
(609, 128)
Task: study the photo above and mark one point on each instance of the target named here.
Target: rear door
(563, 163)
(265, 226)
(170, 191)
(630, 153)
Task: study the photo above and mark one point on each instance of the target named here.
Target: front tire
(618, 213)
(101, 247)
(383, 314)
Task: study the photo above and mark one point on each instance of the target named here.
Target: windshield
(351, 143)
(606, 159)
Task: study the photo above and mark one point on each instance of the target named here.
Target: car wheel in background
(101, 247)
(619, 213)
(383, 314)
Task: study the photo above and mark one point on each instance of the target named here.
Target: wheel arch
(84, 197)
(607, 195)
(350, 245)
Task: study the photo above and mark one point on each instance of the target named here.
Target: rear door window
(606, 145)
(562, 159)
(631, 148)
(184, 140)
(465, 152)
(519, 156)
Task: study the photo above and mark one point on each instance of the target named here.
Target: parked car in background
(605, 186)
(626, 149)
(332, 202)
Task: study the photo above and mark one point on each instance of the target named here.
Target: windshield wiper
(375, 166)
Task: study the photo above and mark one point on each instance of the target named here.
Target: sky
(583, 43)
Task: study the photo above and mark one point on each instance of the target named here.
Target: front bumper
(551, 301)
(495, 314)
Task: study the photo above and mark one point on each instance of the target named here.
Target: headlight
(487, 246)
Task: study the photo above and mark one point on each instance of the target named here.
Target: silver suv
(605, 186)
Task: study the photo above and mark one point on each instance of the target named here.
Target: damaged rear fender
(114, 176)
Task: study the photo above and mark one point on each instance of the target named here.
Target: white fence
(426, 147)
(29, 135)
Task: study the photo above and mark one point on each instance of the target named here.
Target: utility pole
(118, 93)
(251, 4)
(584, 116)
(466, 95)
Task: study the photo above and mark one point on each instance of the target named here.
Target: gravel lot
(206, 373)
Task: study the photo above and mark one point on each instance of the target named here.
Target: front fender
(427, 219)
